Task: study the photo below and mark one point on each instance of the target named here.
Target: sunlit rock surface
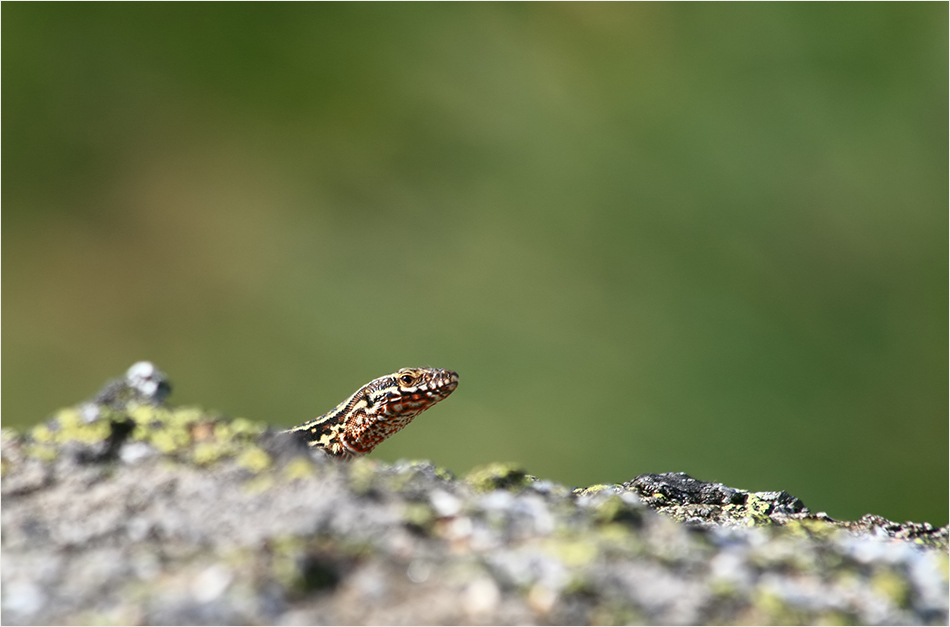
(125, 510)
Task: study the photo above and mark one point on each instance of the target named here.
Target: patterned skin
(377, 410)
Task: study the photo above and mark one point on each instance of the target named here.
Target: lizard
(376, 411)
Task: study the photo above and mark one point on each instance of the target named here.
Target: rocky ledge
(124, 510)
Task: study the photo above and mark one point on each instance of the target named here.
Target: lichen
(259, 484)
(890, 585)
(597, 489)
(811, 528)
(499, 476)
(574, 552)
(187, 434)
(419, 516)
(361, 474)
(209, 493)
(254, 459)
(298, 468)
(615, 509)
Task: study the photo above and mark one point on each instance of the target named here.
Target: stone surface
(123, 510)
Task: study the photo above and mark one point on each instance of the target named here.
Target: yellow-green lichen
(659, 496)
(146, 415)
(284, 557)
(298, 468)
(811, 528)
(418, 515)
(362, 472)
(619, 539)
(69, 426)
(724, 587)
(303, 566)
(444, 473)
(254, 459)
(615, 509)
(944, 563)
(413, 471)
(69, 419)
(238, 428)
(615, 533)
(259, 484)
(191, 433)
(209, 452)
(170, 440)
(42, 434)
(892, 586)
(597, 489)
(832, 617)
(755, 511)
(41, 452)
(773, 610)
(571, 551)
(499, 476)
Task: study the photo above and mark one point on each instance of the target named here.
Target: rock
(126, 510)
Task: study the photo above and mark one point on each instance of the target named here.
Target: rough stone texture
(122, 510)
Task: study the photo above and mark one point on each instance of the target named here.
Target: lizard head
(431, 383)
(390, 403)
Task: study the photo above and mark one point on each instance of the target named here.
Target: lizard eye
(406, 379)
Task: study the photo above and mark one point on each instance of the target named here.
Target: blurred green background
(650, 237)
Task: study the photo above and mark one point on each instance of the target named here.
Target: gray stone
(156, 515)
